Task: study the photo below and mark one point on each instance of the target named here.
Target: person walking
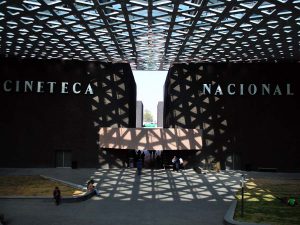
(57, 195)
(174, 162)
(181, 163)
(139, 166)
(158, 161)
(143, 158)
(177, 163)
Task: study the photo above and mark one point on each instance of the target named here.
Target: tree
(148, 117)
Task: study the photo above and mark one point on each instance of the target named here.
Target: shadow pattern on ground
(165, 185)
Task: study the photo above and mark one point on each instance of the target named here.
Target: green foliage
(148, 117)
(265, 202)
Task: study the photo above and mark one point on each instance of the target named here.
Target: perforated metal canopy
(153, 34)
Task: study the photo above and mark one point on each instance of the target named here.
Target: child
(56, 195)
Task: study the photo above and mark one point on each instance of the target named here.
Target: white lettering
(252, 89)
(89, 90)
(265, 87)
(207, 87)
(229, 90)
(219, 91)
(44, 86)
(40, 86)
(28, 84)
(74, 88)
(6, 89)
(241, 89)
(288, 89)
(17, 86)
(51, 86)
(78, 88)
(277, 91)
(64, 87)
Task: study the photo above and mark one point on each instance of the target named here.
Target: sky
(150, 88)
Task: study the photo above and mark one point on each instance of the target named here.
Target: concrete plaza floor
(156, 197)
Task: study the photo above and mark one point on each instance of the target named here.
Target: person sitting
(92, 188)
(89, 182)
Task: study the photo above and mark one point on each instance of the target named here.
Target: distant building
(160, 114)
(139, 114)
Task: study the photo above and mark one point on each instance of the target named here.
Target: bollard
(243, 186)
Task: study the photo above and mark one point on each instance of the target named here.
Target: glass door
(63, 158)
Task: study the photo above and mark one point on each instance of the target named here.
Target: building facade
(54, 109)
(241, 108)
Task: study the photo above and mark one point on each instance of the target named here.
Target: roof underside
(152, 34)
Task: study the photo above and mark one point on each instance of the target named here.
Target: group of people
(150, 158)
(177, 163)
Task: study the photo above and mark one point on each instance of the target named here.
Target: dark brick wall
(35, 125)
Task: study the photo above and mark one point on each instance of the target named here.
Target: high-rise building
(160, 114)
(139, 114)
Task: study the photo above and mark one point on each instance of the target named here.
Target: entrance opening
(63, 158)
(151, 159)
(150, 89)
